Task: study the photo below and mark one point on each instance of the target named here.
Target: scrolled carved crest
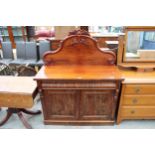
(79, 50)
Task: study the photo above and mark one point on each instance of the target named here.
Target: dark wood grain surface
(79, 83)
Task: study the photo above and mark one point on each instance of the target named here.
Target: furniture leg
(9, 113)
(24, 121)
(31, 112)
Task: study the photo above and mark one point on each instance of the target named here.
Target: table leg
(24, 121)
(31, 112)
(19, 111)
(8, 115)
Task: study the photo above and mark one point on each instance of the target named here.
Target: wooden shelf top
(79, 72)
(94, 73)
(133, 76)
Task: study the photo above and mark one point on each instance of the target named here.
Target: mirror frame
(144, 64)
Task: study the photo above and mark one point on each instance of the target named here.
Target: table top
(14, 84)
(78, 72)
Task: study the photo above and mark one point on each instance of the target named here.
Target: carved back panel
(79, 50)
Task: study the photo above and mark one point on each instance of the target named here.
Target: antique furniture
(137, 48)
(17, 93)
(137, 99)
(79, 83)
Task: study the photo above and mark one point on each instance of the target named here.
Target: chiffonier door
(97, 105)
(60, 104)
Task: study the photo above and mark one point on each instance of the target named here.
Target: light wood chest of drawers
(137, 101)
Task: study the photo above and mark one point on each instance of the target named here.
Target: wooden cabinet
(78, 101)
(79, 83)
(137, 96)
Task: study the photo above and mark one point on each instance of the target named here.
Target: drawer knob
(137, 90)
(132, 111)
(134, 100)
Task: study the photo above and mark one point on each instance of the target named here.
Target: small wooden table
(17, 93)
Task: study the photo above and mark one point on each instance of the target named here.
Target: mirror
(139, 46)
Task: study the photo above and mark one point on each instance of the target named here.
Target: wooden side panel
(96, 105)
(60, 104)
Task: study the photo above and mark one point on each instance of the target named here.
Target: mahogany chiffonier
(79, 83)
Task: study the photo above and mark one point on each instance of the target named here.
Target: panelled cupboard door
(60, 104)
(97, 105)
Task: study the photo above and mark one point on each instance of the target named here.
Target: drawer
(78, 84)
(137, 100)
(142, 111)
(139, 89)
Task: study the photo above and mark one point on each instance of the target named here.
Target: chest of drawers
(137, 101)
